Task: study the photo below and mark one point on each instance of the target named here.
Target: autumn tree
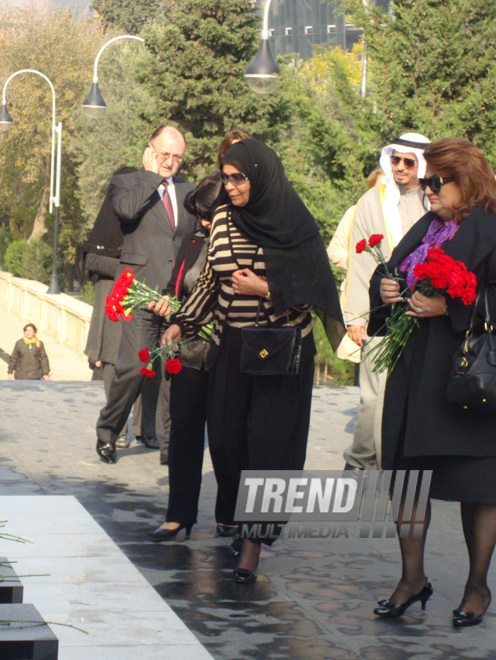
(62, 48)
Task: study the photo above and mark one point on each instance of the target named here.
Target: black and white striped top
(213, 297)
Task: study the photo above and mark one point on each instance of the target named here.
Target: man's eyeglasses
(164, 155)
(410, 163)
(235, 179)
(434, 182)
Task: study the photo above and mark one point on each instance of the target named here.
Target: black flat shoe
(389, 610)
(244, 576)
(106, 451)
(226, 530)
(162, 534)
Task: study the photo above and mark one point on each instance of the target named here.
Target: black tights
(479, 529)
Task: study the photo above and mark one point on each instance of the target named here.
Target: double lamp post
(94, 106)
(262, 75)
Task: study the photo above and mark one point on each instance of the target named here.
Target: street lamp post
(262, 73)
(6, 122)
(93, 104)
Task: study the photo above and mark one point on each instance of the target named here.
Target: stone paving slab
(314, 597)
(100, 607)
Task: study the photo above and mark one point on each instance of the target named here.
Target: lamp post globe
(94, 105)
(263, 73)
(6, 120)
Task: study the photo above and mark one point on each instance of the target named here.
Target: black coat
(415, 403)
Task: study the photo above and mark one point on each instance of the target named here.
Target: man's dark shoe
(348, 466)
(106, 451)
(150, 442)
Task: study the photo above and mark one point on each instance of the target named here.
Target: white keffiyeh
(392, 199)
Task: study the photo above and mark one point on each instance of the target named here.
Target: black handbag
(270, 350)
(472, 383)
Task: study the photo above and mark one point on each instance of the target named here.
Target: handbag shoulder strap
(487, 317)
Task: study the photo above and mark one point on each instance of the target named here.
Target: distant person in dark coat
(29, 360)
(101, 252)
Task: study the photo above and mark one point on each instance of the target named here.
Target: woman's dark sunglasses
(434, 182)
(409, 162)
(235, 179)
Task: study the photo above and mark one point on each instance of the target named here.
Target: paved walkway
(314, 597)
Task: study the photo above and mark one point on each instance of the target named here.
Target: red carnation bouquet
(438, 275)
(169, 354)
(442, 275)
(172, 363)
(129, 294)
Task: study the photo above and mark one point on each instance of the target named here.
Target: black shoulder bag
(472, 383)
(270, 350)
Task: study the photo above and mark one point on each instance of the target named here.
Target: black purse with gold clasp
(270, 350)
(472, 383)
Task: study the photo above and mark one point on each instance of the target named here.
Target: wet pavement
(314, 597)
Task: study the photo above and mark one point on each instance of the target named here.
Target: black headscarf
(276, 219)
(105, 239)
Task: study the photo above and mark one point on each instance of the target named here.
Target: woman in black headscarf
(264, 246)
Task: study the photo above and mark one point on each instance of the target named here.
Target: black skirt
(468, 479)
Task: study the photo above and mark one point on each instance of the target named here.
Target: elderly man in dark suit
(149, 205)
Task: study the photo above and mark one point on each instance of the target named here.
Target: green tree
(31, 261)
(194, 72)
(433, 67)
(333, 143)
(128, 16)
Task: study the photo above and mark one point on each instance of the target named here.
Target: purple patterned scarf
(437, 235)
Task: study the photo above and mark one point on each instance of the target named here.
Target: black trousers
(188, 408)
(143, 331)
(255, 422)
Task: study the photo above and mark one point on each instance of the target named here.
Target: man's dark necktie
(168, 205)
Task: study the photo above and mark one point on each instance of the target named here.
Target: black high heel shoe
(244, 575)
(106, 451)
(389, 610)
(161, 534)
(236, 547)
(226, 530)
(462, 619)
(247, 575)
